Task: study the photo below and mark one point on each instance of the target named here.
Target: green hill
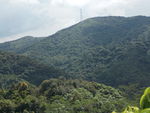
(19, 45)
(14, 68)
(110, 50)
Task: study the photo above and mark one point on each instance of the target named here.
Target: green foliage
(144, 104)
(145, 110)
(61, 96)
(14, 68)
(7, 106)
(145, 99)
(108, 50)
(131, 110)
(76, 96)
(20, 45)
(21, 98)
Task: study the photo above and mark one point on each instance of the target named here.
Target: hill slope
(111, 50)
(19, 45)
(13, 67)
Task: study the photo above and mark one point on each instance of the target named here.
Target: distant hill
(19, 45)
(111, 50)
(14, 68)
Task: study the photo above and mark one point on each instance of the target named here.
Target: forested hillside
(48, 74)
(61, 96)
(110, 50)
(20, 45)
(14, 68)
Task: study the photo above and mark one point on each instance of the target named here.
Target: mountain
(19, 45)
(110, 50)
(14, 68)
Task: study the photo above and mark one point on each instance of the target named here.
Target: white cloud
(44, 17)
(25, 1)
(78, 3)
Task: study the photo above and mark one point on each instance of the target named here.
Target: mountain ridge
(97, 47)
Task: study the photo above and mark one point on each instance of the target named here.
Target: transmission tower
(81, 15)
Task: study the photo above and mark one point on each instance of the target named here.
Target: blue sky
(44, 17)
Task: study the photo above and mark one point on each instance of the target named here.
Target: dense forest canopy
(14, 68)
(61, 96)
(108, 50)
(75, 70)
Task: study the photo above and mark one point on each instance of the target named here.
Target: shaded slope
(25, 68)
(130, 66)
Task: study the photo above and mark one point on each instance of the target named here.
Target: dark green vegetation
(20, 45)
(61, 96)
(110, 50)
(14, 68)
(144, 104)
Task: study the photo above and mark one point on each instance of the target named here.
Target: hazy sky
(44, 17)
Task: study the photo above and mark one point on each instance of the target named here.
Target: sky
(39, 18)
